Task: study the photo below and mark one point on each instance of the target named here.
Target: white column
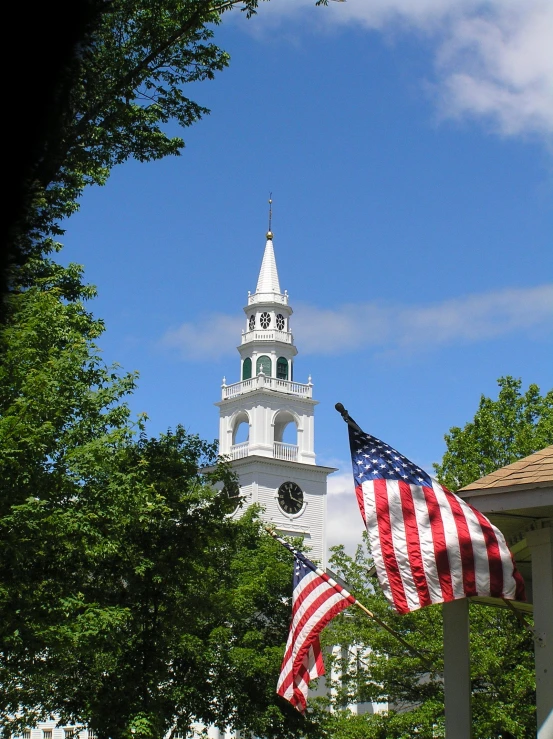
(457, 669)
(224, 445)
(540, 544)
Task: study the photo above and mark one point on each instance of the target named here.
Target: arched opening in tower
(241, 428)
(286, 429)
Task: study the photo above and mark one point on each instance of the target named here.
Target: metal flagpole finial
(346, 416)
(269, 232)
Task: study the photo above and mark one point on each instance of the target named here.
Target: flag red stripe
(361, 502)
(309, 587)
(316, 600)
(520, 590)
(413, 543)
(297, 667)
(317, 653)
(440, 545)
(465, 545)
(387, 547)
(336, 585)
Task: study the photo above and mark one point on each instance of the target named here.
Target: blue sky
(408, 146)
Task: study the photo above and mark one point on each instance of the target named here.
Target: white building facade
(267, 420)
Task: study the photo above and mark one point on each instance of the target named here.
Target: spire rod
(269, 232)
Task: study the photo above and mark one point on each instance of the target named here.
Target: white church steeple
(267, 420)
(268, 275)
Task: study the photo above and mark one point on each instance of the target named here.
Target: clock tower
(266, 423)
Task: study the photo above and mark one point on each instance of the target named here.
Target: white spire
(268, 275)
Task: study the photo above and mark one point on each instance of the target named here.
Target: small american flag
(428, 545)
(316, 600)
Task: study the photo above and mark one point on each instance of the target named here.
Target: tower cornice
(254, 459)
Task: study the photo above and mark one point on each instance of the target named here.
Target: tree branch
(130, 80)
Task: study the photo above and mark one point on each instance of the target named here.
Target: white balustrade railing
(267, 335)
(288, 452)
(231, 391)
(263, 382)
(239, 451)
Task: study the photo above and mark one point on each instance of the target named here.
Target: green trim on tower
(247, 369)
(282, 368)
(264, 364)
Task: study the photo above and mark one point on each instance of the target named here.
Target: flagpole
(394, 633)
(370, 614)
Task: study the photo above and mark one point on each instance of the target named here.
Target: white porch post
(540, 544)
(457, 670)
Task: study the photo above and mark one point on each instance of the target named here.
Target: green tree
(502, 431)
(129, 601)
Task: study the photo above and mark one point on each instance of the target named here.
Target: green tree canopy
(502, 431)
(129, 601)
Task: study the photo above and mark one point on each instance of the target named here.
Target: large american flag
(428, 545)
(316, 600)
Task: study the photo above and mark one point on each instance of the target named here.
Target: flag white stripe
(301, 683)
(399, 541)
(312, 664)
(509, 583)
(480, 550)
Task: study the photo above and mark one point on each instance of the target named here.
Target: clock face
(290, 497)
(232, 497)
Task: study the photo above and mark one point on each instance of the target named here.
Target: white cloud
(344, 522)
(342, 330)
(492, 58)
(469, 319)
(209, 338)
(501, 67)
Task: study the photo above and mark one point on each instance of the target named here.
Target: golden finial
(269, 232)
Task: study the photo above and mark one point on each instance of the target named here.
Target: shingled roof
(533, 471)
